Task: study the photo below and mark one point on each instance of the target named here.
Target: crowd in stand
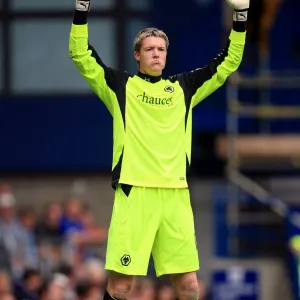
(58, 254)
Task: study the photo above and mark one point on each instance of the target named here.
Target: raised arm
(103, 80)
(202, 82)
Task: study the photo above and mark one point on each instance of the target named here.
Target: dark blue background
(71, 134)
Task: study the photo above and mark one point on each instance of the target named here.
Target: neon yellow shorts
(156, 220)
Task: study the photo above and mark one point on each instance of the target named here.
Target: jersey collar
(149, 78)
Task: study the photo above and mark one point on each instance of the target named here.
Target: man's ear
(136, 55)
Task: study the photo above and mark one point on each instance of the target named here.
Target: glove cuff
(240, 20)
(83, 5)
(81, 12)
(240, 15)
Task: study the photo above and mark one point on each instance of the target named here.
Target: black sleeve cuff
(240, 19)
(239, 26)
(80, 17)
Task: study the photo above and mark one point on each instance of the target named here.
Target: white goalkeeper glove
(83, 5)
(239, 4)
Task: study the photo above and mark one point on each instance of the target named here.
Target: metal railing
(235, 110)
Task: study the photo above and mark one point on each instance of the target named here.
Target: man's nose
(155, 53)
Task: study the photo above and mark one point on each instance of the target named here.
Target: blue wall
(55, 134)
(65, 134)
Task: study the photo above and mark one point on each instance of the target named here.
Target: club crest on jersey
(169, 89)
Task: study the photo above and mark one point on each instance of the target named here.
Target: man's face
(152, 56)
(55, 292)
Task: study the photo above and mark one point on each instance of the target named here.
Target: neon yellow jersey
(295, 242)
(152, 117)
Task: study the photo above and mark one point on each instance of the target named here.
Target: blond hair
(137, 43)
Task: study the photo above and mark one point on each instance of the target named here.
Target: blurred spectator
(48, 227)
(12, 236)
(91, 229)
(5, 188)
(48, 236)
(143, 289)
(165, 292)
(87, 240)
(147, 289)
(93, 269)
(54, 289)
(203, 293)
(71, 219)
(68, 271)
(8, 296)
(27, 219)
(29, 285)
(5, 283)
(87, 291)
(70, 276)
(5, 263)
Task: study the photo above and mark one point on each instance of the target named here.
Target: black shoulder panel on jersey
(190, 82)
(116, 81)
(116, 172)
(183, 81)
(187, 169)
(199, 76)
(187, 98)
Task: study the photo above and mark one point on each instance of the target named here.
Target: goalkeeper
(152, 121)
